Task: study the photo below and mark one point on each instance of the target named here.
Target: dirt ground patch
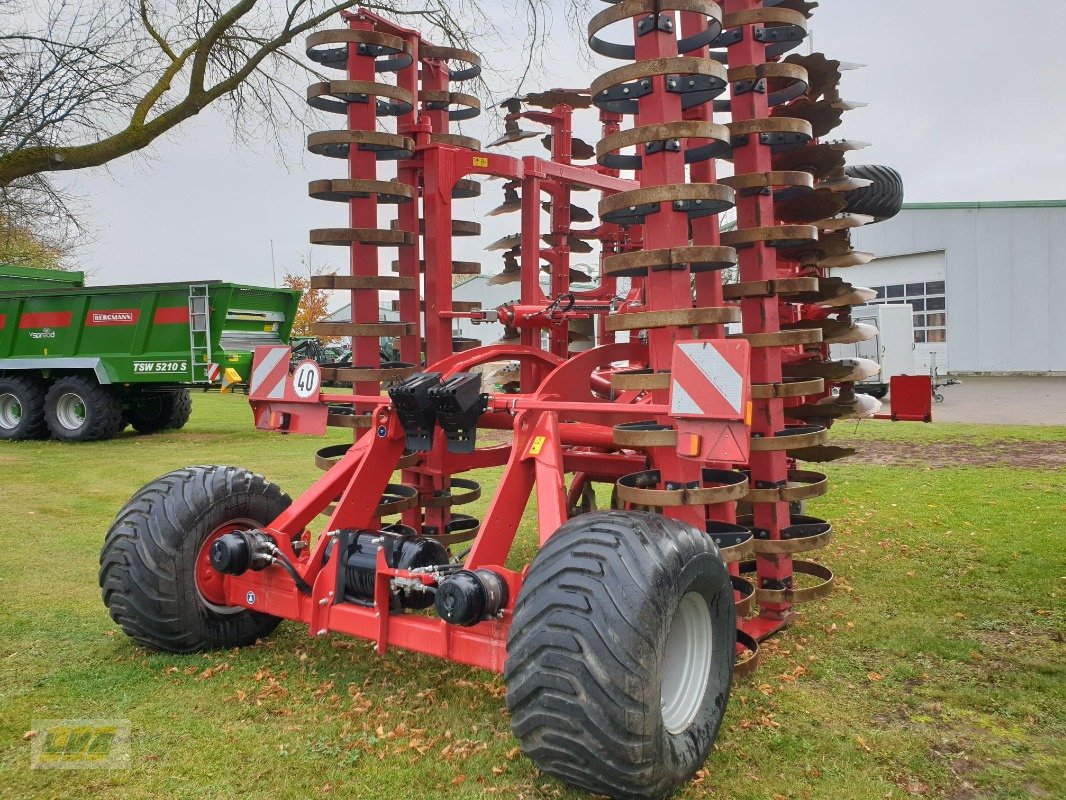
(1008, 453)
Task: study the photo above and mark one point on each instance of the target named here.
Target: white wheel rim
(687, 660)
(70, 411)
(10, 411)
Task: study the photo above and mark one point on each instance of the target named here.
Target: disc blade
(843, 222)
(856, 297)
(856, 332)
(579, 149)
(506, 243)
(856, 258)
(575, 98)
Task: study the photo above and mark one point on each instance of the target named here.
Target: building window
(923, 297)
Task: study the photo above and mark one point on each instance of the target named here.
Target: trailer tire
(100, 415)
(882, 199)
(159, 411)
(620, 654)
(150, 558)
(21, 407)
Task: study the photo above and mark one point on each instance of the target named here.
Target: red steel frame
(563, 415)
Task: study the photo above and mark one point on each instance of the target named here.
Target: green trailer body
(149, 333)
(141, 342)
(13, 278)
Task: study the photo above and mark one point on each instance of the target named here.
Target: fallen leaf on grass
(28, 735)
(458, 779)
(512, 754)
(862, 743)
(323, 689)
(875, 676)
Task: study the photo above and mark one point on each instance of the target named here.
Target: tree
(87, 83)
(314, 304)
(23, 247)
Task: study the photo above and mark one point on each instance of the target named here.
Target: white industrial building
(986, 282)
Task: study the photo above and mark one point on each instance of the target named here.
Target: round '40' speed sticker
(306, 380)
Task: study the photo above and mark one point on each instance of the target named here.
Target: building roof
(987, 204)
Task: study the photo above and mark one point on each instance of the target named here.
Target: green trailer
(83, 363)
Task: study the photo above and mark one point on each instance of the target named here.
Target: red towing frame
(621, 413)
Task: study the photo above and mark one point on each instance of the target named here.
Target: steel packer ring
(745, 666)
(668, 135)
(335, 420)
(441, 100)
(336, 96)
(460, 528)
(337, 144)
(695, 199)
(377, 237)
(458, 267)
(789, 438)
(788, 388)
(634, 8)
(341, 190)
(635, 488)
(784, 287)
(644, 434)
(698, 258)
(678, 318)
(640, 380)
(806, 595)
(460, 227)
(783, 29)
(757, 182)
(780, 134)
(746, 589)
(802, 535)
(735, 542)
(783, 236)
(471, 59)
(456, 140)
(780, 338)
(448, 497)
(699, 80)
(791, 81)
(368, 43)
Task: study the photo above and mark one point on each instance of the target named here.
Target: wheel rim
(10, 411)
(209, 582)
(70, 411)
(686, 663)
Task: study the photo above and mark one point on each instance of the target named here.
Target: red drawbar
(45, 319)
(171, 316)
(113, 316)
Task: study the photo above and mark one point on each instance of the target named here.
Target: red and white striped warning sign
(213, 372)
(709, 379)
(270, 372)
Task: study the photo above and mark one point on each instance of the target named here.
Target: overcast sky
(966, 100)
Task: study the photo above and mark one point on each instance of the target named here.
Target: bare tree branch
(84, 83)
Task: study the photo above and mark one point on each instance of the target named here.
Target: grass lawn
(937, 668)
